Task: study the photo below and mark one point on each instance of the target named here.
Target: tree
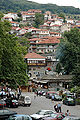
(69, 54)
(58, 68)
(23, 45)
(28, 35)
(12, 65)
(39, 20)
(63, 16)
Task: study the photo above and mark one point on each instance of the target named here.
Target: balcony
(36, 64)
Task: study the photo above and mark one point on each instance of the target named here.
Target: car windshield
(53, 115)
(27, 98)
(57, 96)
(70, 99)
(14, 100)
(40, 112)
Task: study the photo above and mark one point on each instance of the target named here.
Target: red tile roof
(34, 39)
(33, 55)
(16, 28)
(54, 33)
(50, 40)
(56, 25)
(14, 22)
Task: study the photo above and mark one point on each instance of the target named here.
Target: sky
(75, 3)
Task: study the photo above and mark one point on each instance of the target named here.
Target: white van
(24, 100)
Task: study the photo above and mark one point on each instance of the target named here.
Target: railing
(40, 64)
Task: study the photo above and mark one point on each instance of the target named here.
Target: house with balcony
(36, 64)
(47, 15)
(14, 24)
(28, 17)
(47, 45)
(33, 47)
(65, 27)
(55, 28)
(55, 34)
(10, 16)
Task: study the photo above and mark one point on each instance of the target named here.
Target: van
(24, 101)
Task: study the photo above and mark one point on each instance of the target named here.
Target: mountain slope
(23, 5)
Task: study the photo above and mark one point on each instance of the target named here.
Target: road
(41, 102)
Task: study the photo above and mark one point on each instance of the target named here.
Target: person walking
(59, 107)
(67, 113)
(56, 108)
(52, 97)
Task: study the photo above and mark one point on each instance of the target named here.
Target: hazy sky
(75, 3)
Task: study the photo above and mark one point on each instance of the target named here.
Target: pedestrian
(67, 113)
(52, 97)
(37, 93)
(34, 95)
(59, 107)
(56, 108)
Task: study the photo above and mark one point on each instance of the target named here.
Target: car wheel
(67, 103)
(29, 105)
(23, 105)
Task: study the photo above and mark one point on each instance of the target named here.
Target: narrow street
(41, 102)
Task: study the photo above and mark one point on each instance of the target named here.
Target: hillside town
(45, 84)
(44, 41)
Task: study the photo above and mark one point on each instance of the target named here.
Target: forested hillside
(23, 5)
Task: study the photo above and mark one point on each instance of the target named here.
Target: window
(26, 118)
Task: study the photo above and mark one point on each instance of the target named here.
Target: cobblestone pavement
(41, 102)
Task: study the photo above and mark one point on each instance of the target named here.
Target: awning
(42, 81)
(45, 81)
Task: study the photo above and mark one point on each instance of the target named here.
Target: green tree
(23, 45)
(28, 35)
(12, 65)
(69, 54)
(39, 20)
(63, 16)
(58, 68)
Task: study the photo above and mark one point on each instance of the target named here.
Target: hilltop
(24, 5)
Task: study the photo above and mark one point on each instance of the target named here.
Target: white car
(41, 114)
(24, 100)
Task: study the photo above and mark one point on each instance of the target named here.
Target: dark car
(2, 104)
(2, 94)
(20, 117)
(11, 102)
(4, 114)
(57, 97)
(68, 100)
(50, 94)
(55, 116)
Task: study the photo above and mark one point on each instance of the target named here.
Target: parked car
(24, 100)
(4, 114)
(11, 102)
(41, 92)
(68, 100)
(57, 97)
(41, 114)
(20, 117)
(49, 94)
(71, 117)
(2, 104)
(2, 94)
(55, 116)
